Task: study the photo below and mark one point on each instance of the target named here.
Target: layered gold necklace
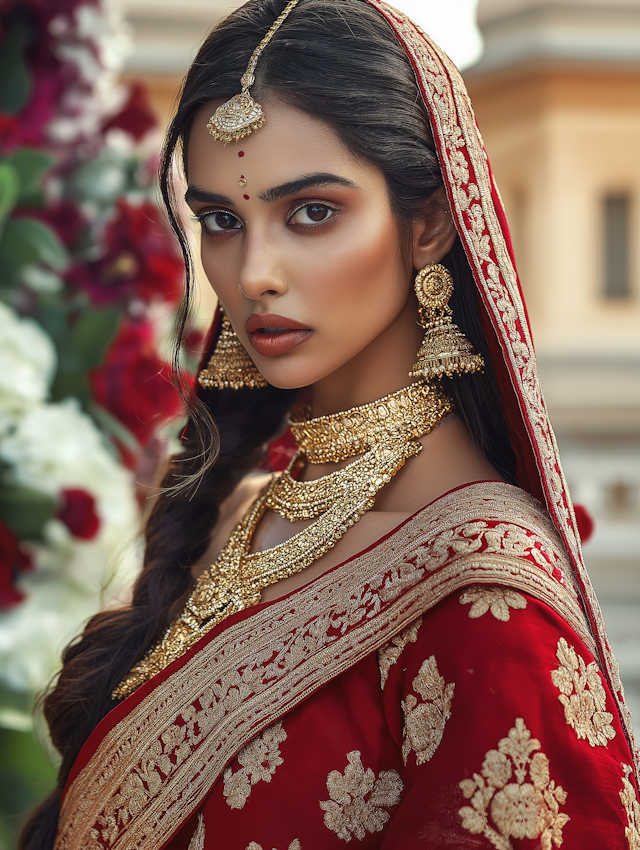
(383, 433)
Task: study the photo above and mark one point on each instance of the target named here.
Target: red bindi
(246, 197)
(240, 153)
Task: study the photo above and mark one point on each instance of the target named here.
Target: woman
(394, 642)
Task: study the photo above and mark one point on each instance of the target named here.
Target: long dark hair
(338, 61)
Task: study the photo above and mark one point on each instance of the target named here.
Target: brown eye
(317, 212)
(219, 221)
(312, 214)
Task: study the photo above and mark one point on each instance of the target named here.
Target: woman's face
(300, 244)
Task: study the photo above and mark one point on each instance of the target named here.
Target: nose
(261, 274)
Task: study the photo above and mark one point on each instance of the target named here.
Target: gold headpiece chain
(241, 116)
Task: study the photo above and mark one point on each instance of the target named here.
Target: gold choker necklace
(383, 432)
(405, 414)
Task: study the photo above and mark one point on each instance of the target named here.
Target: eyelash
(201, 217)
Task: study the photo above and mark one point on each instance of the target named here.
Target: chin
(288, 378)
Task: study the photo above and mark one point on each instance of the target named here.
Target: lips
(271, 335)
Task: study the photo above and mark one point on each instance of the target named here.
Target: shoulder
(493, 523)
(503, 719)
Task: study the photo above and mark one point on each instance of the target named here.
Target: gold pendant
(235, 119)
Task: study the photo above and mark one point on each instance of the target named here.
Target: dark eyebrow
(195, 193)
(310, 181)
(292, 187)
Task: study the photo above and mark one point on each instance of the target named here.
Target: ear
(435, 233)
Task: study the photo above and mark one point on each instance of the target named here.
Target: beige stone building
(557, 96)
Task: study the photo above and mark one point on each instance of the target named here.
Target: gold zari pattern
(359, 801)
(338, 500)
(583, 696)
(424, 723)
(501, 808)
(258, 761)
(498, 600)
(178, 739)
(402, 415)
(631, 808)
(389, 654)
(197, 842)
(295, 845)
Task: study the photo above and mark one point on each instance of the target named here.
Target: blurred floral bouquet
(89, 275)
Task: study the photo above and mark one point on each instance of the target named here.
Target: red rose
(9, 133)
(585, 522)
(140, 260)
(134, 384)
(136, 117)
(78, 513)
(13, 561)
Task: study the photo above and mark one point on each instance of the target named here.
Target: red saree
(452, 686)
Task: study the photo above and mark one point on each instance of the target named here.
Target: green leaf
(30, 165)
(70, 382)
(82, 348)
(93, 333)
(26, 775)
(114, 427)
(26, 511)
(9, 189)
(26, 242)
(14, 74)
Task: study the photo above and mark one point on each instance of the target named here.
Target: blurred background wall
(556, 90)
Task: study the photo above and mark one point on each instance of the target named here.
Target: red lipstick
(271, 335)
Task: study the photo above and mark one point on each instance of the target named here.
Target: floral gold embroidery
(498, 600)
(424, 724)
(197, 842)
(358, 800)
(517, 809)
(390, 652)
(295, 845)
(259, 760)
(583, 696)
(632, 810)
(179, 739)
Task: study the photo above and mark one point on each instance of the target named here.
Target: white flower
(58, 445)
(27, 364)
(53, 447)
(68, 586)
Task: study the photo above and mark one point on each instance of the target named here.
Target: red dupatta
(163, 746)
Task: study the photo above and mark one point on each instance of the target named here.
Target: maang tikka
(445, 350)
(241, 116)
(230, 365)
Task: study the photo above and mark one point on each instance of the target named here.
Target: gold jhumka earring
(241, 116)
(230, 365)
(445, 350)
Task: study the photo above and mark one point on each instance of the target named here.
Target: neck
(379, 369)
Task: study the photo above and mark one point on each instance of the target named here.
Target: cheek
(364, 274)
(220, 264)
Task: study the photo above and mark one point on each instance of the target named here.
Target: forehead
(290, 143)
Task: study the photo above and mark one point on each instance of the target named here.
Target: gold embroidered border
(461, 149)
(245, 679)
